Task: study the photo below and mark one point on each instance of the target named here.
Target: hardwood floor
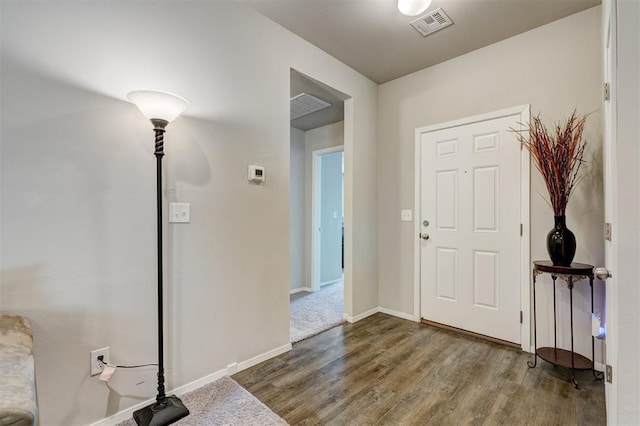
(388, 371)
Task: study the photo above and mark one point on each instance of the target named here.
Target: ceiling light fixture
(413, 7)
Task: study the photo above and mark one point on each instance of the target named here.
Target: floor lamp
(161, 108)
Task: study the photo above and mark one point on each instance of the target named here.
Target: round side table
(562, 357)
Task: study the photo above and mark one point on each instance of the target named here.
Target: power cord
(101, 360)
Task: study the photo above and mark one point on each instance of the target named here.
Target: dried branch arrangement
(557, 156)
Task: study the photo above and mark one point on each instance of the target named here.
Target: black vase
(561, 243)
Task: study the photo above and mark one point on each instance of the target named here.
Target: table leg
(555, 321)
(535, 330)
(573, 371)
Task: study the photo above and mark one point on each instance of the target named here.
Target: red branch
(557, 156)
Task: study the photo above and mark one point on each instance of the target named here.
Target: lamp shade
(413, 7)
(157, 104)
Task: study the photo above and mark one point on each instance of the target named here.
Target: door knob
(602, 273)
(424, 236)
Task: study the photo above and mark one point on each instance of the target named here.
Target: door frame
(525, 189)
(609, 34)
(316, 189)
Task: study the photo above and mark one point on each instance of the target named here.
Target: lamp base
(161, 415)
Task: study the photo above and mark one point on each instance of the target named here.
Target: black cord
(100, 358)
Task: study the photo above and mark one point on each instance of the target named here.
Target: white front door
(470, 206)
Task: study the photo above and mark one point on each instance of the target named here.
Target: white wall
(323, 137)
(78, 190)
(626, 376)
(297, 222)
(555, 68)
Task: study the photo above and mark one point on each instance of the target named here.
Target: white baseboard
(398, 314)
(263, 357)
(309, 289)
(324, 283)
(181, 390)
(356, 318)
(232, 369)
(387, 311)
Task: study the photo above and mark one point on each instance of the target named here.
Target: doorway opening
(327, 248)
(317, 207)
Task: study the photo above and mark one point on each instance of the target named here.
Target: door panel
(486, 279)
(447, 200)
(485, 199)
(470, 192)
(446, 274)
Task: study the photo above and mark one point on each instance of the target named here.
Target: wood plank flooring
(388, 371)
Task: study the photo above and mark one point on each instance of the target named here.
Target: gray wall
(555, 68)
(77, 190)
(331, 217)
(297, 220)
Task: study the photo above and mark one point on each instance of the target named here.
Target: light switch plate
(179, 212)
(406, 215)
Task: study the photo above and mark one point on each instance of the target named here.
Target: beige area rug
(223, 402)
(313, 313)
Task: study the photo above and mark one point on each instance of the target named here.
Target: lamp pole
(159, 127)
(161, 108)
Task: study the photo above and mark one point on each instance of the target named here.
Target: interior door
(470, 253)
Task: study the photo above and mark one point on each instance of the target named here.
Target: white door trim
(525, 276)
(316, 188)
(609, 23)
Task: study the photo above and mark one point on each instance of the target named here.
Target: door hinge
(521, 317)
(607, 231)
(606, 91)
(609, 373)
(521, 229)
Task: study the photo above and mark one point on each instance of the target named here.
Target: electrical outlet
(96, 365)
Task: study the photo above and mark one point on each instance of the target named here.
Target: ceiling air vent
(305, 103)
(431, 22)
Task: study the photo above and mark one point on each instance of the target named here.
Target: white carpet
(224, 402)
(313, 313)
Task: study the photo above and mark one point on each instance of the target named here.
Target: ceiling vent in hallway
(304, 104)
(431, 22)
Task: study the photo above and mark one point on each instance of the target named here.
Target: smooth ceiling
(373, 38)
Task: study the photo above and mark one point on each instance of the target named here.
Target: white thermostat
(256, 174)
